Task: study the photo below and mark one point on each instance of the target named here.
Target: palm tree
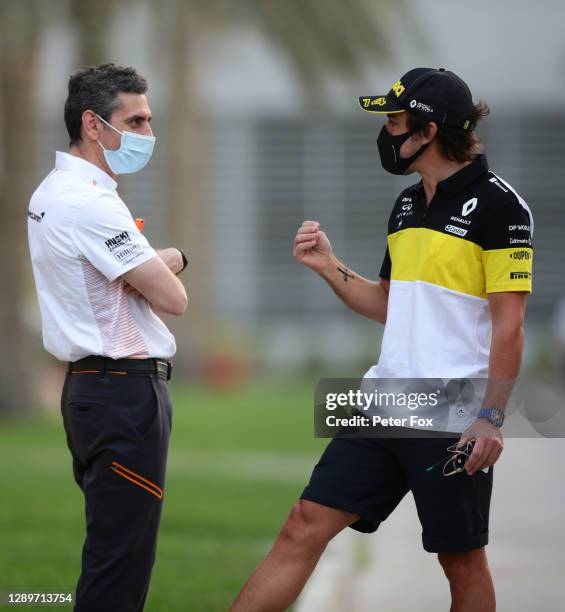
(91, 28)
(19, 25)
(319, 37)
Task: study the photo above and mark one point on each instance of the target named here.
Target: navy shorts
(369, 477)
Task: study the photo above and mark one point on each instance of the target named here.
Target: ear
(90, 125)
(430, 132)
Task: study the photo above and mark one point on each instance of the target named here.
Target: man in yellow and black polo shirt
(452, 297)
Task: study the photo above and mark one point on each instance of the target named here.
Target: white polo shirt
(82, 239)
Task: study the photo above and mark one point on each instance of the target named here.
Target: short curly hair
(455, 143)
(96, 88)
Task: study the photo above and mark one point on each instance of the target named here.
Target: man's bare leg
(469, 580)
(280, 578)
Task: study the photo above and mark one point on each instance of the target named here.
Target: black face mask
(389, 151)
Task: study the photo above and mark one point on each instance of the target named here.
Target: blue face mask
(134, 152)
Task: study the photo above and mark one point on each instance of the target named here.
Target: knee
(461, 568)
(301, 530)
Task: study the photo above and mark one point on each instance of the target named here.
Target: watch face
(494, 415)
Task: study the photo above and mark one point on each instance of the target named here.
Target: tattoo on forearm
(346, 273)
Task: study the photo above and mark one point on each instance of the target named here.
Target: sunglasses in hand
(454, 463)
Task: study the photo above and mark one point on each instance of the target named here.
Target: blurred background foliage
(254, 107)
(303, 31)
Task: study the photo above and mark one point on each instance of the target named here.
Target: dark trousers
(118, 428)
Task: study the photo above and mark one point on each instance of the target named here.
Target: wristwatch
(492, 415)
(184, 259)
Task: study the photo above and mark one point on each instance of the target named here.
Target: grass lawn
(237, 463)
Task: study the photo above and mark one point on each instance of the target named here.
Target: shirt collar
(87, 171)
(464, 177)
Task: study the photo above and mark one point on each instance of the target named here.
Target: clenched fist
(312, 247)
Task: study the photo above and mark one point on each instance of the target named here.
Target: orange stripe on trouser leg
(137, 479)
(85, 372)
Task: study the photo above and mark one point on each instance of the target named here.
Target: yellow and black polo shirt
(443, 260)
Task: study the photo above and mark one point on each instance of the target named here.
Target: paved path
(390, 571)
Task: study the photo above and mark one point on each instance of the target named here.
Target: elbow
(183, 305)
(509, 336)
(509, 330)
(180, 305)
(175, 305)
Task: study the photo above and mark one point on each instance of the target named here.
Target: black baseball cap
(435, 94)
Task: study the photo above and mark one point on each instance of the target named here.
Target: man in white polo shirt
(100, 287)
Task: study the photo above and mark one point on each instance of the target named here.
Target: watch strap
(493, 415)
(184, 259)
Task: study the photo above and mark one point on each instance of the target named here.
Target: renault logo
(469, 206)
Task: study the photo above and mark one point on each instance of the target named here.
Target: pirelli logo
(520, 275)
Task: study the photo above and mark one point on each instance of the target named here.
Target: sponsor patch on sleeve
(123, 248)
(118, 241)
(508, 269)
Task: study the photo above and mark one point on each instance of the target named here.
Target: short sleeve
(106, 235)
(386, 266)
(507, 248)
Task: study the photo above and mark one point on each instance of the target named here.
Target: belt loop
(104, 365)
(169, 370)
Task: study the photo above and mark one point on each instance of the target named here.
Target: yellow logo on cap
(398, 88)
(379, 102)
